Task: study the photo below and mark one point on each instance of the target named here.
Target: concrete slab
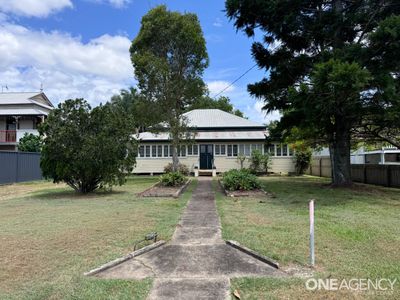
(190, 289)
(197, 236)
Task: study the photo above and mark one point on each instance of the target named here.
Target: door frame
(207, 154)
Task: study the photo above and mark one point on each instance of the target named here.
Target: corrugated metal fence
(19, 167)
(385, 175)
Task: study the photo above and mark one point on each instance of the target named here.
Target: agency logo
(355, 284)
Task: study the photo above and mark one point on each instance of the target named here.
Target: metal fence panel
(385, 175)
(19, 167)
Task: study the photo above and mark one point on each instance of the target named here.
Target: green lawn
(357, 235)
(49, 236)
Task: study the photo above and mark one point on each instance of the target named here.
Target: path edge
(252, 253)
(124, 258)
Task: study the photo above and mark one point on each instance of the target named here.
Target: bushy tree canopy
(169, 56)
(30, 143)
(222, 103)
(331, 65)
(86, 148)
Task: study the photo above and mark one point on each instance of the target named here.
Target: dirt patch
(158, 190)
(9, 191)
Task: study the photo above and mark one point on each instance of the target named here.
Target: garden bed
(256, 193)
(159, 190)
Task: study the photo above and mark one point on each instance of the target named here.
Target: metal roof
(23, 111)
(209, 135)
(24, 98)
(216, 118)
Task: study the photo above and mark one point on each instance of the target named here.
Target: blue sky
(79, 48)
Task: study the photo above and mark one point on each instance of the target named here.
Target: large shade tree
(86, 148)
(223, 103)
(169, 56)
(331, 67)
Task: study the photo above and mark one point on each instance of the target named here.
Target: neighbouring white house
(21, 113)
(383, 156)
(219, 137)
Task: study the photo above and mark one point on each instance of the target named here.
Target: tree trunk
(175, 159)
(339, 149)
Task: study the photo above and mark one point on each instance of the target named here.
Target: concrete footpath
(196, 264)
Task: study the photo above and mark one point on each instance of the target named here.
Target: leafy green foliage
(30, 143)
(182, 168)
(86, 148)
(332, 68)
(242, 179)
(303, 160)
(259, 162)
(223, 103)
(172, 179)
(169, 56)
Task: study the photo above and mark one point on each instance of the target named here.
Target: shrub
(240, 180)
(302, 160)
(30, 143)
(172, 179)
(259, 162)
(266, 162)
(182, 168)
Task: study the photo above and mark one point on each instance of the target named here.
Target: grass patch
(357, 234)
(50, 236)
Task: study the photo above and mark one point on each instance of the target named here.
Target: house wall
(147, 165)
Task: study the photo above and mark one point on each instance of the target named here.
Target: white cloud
(67, 67)
(218, 85)
(115, 3)
(256, 113)
(34, 8)
(217, 22)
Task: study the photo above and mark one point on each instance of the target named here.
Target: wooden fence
(385, 175)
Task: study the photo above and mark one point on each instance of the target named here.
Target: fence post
(312, 252)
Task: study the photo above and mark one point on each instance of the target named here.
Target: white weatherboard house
(21, 113)
(218, 139)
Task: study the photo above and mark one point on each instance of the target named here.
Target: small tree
(266, 162)
(241, 159)
(30, 143)
(86, 148)
(256, 161)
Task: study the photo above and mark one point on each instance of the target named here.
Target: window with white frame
(247, 151)
(220, 149)
(147, 150)
(153, 151)
(166, 151)
(241, 149)
(141, 151)
(192, 150)
(159, 150)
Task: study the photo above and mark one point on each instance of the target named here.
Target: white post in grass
(312, 254)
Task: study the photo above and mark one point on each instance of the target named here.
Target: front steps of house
(210, 172)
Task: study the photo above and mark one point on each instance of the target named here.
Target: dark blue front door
(206, 156)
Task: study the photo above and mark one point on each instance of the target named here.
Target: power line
(233, 82)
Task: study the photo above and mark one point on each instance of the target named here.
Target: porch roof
(209, 135)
